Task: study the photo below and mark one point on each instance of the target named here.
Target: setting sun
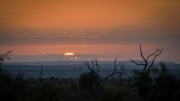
(69, 54)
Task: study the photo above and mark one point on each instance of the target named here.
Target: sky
(44, 30)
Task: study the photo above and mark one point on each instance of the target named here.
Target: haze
(104, 29)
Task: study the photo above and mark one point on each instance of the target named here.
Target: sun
(69, 54)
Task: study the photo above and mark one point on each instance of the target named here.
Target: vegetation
(92, 79)
(143, 78)
(92, 87)
(4, 56)
(165, 88)
(147, 66)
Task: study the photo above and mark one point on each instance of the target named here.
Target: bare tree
(40, 78)
(4, 56)
(121, 72)
(20, 75)
(95, 72)
(147, 65)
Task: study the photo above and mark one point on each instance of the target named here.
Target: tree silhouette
(143, 79)
(93, 79)
(4, 56)
(147, 66)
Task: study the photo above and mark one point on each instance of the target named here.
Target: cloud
(75, 58)
(30, 53)
(52, 37)
(89, 36)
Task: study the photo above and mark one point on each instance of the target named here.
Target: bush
(111, 95)
(88, 81)
(165, 88)
(46, 91)
(10, 89)
(74, 86)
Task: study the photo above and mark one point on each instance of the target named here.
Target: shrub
(92, 79)
(88, 81)
(165, 88)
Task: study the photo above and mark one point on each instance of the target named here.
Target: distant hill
(78, 62)
(156, 63)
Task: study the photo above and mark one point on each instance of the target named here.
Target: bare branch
(87, 64)
(99, 80)
(3, 56)
(115, 65)
(152, 54)
(41, 71)
(137, 72)
(9, 52)
(152, 63)
(142, 54)
(121, 67)
(108, 76)
(93, 63)
(97, 66)
(121, 73)
(137, 63)
(146, 64)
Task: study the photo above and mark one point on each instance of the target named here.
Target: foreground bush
(88, 81)
(165, 88)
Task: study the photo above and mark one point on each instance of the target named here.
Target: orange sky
(44, 25)
(83, 15)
